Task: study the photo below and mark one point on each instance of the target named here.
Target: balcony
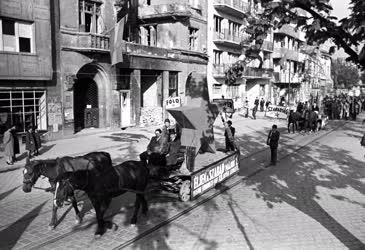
(289, 54)
(254, 73)
(233, 7)
(220, 69)
(164, 11)
(226, 37)
(283, 78)
(144, 51)
(250, 72)
(289, 31)
(87, 42)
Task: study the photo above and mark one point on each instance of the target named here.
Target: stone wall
(151, 116)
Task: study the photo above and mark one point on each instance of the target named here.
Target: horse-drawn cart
(204, 166)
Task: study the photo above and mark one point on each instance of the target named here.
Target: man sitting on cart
(174, 146)
(156, 150)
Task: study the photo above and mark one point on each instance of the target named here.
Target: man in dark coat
(37, 140)
(229, 132)
(292, 121)
(262, 104)
(174, 149)
(30, 142)
(156, 150)
(273, 142)
(16, 143)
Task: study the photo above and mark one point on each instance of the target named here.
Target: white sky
(340, 8)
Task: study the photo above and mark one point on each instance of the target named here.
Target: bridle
(32, 178)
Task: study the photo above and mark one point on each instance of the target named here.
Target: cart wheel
(184, 193)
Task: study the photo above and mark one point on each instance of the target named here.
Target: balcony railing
(220, 69)
(164, 10)
(258, 73)
(229, 36)
(289, 54)
(290, 31)
(249, 72)
(281, 77)
(234, 7)
(85, 41)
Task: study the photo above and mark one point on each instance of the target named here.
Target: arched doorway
(92, 98)
(86, 105)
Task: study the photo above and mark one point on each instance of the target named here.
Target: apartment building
(165, 42)
(226, 43)
(25, 63)
(154, 46)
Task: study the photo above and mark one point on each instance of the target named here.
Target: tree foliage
(344, 74)
(312, 17)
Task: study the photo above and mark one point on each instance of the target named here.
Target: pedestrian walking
(292, 122)
(229, 132)
(16, 143)
(262, 104)
(273, 142)
(246, 108)
(30, 142)
(9, 145)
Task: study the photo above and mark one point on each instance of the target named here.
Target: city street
(314, 198)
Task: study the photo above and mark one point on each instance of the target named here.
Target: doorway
(86, 106)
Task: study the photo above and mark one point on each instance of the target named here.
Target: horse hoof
(51, 227)
(97, 236)
(133, 224)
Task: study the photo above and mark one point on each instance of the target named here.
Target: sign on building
(173, 102)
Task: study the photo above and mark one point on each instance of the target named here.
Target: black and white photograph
(182, 124)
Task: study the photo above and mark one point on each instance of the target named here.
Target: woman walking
(9, 145)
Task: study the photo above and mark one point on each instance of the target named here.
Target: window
(232, 57)
(89, 15)
(233, 91)
(234, 28)
(16, 36)
(148, 35)
(217, 56)
(23, 109)
(217, 89)
(218, 24)
(193, 38)
(173, 84)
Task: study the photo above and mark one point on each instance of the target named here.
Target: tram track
(294, 149)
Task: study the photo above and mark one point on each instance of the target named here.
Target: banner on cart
(279, 112)
(213, 174)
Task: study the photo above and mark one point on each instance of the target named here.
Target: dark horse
(128, 176)
(49, 168)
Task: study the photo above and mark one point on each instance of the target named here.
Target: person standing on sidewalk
(9, 145)
(273, 142)
(229, 132)
(255, 108)
(262, 104)
(30, 142)
(16, 143)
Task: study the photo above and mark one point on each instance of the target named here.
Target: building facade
(156, 43)
(226, 43)
(289, 66)
(25, 63)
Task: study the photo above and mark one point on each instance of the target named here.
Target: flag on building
(116, 36)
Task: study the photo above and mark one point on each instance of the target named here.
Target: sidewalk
(125, 143)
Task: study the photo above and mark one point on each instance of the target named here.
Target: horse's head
(64, 189)
(31, 174)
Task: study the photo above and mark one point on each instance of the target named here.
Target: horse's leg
(144, 204)
(137, 205)
(99, 216)
(53, 223)
(77, 211)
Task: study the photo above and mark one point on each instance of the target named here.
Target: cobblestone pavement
(307, 199)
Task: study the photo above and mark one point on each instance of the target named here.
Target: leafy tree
(315, 19)
(344, 74)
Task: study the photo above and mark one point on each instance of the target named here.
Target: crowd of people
(343, 107)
